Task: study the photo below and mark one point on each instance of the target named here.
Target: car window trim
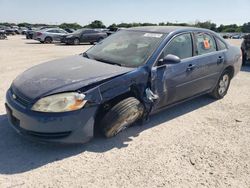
(176, 35)
(195, 38)
(216, 40)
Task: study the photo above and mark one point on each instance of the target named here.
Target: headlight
(63, 102)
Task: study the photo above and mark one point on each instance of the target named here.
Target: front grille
(13, 119)
(49, 135)
(20, 99)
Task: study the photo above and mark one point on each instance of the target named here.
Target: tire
(92, 43)
(121, 116)
(222, 86)
(48, 40)
(76, 41)
(244, 59)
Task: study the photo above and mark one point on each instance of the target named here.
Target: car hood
(63, 75)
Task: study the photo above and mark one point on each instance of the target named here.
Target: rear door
(208, 61)
(86, 36)
(58, 33)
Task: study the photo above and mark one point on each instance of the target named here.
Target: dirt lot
(201, 143)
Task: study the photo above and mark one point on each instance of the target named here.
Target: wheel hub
(223, 85)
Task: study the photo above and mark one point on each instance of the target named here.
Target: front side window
(205, 43)
(127, 48)
(180, 46)
(221, 45)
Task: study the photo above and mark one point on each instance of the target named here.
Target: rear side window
(61, 31)
(221, 45)
(52, 31)
(89, 31)
(180, 46)
(205, 43)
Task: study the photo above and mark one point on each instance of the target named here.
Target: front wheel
(121, 116)
(222, 86)
(76, 41)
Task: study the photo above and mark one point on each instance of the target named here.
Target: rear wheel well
(230, 69)
(48, 37)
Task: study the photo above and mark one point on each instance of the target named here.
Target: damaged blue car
(119, 81)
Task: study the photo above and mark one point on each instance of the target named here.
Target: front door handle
(220, 60)
(191, 67)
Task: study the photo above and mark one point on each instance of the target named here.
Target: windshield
(126, 48)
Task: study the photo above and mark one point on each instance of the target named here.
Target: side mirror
(169, 59)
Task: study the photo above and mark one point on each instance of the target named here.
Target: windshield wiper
(106, 61)
(85, 55)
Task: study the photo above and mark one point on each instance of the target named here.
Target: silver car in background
(49, 35)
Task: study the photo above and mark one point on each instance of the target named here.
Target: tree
(246, 27)
(70, 25)
(96, 24)
(24, 24)
(206, 25)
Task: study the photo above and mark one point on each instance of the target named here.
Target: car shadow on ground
(19, 155)
(35, 42)
(246, 68)
(63, 44)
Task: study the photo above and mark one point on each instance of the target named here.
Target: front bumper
(68, 40)
(67, 127)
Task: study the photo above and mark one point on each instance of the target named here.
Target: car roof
(52, 28)
(167, 29)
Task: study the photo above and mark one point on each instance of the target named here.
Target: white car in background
(49, 35)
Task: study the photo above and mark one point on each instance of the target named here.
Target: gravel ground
(201, 143)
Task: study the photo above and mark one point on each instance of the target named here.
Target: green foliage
(24, 24)
(246, 27)
(206, 25)
(95, 24)
(70, 25)
(229, 28)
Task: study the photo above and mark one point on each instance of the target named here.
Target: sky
(117, 11)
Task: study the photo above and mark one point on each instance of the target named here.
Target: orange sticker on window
(206, 44)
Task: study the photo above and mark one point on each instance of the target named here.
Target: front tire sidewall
(76, 41)
(124, 116)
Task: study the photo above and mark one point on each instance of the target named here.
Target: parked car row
(2, 34)
(30, 32)
(49, 35)
(84, 35)
(13, 30)
(233, 35)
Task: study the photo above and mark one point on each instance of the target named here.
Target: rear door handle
(191, 67)
(220, 60)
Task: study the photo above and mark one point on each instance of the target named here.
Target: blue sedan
(120, 81)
